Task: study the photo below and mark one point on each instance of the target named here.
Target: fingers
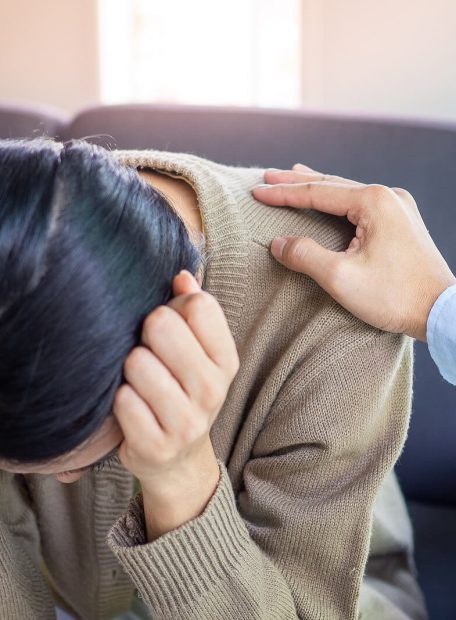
(157, 387)
(175, 388)
(168, 336)
(307, 256)
(304, 175)
(134, 416)
(333, 198)
(191, 337)
(205, 318)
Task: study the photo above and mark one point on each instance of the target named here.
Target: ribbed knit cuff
(178, 568)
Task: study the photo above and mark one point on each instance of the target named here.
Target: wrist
(423, 308)
(450, 281)
(172, 479)
(180, 495)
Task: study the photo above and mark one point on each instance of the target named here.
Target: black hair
(87, 249)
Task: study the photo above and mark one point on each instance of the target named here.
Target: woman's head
(87, 250)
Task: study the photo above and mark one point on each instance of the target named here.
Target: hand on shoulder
(391, 273)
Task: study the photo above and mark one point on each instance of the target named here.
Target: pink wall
(380, 56)
(48, 52)
(376, 56)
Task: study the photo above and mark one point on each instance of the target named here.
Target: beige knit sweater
(311, 428)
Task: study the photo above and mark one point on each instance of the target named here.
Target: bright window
(238, 52)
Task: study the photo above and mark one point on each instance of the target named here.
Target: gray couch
(420, 156)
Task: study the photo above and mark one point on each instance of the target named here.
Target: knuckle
(122, 396)
(283, 194)
(399, 191)
(157, 320)
(201, 426)
(405, 195)
(129, 451)
(212, 393)
(378, 194)
(186, 433)
(125, 452)
(331, 178)
(135, 359)
(192, 430)
(201, 302)
(334, 274)
(295, 251)
(163, 456)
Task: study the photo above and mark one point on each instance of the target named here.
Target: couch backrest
(17, 121)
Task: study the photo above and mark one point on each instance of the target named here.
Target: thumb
(307, 256)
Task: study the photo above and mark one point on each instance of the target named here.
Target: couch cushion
(435, 556)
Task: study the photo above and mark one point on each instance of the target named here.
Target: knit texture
(306, 441)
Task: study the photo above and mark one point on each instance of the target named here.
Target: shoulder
(263, 223)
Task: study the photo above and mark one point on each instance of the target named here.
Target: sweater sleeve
(294, 543)
(23, 590)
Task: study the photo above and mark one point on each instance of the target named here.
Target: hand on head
(391, 273)
(177, 380)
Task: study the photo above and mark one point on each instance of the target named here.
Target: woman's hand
(391, 273)
(177, 382)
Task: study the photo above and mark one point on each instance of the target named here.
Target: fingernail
(273, 170)
(263, 186)
(277, 246)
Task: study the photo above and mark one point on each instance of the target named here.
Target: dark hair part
(87, 249)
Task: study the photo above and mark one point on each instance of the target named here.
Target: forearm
(181, 494)
(207, 569)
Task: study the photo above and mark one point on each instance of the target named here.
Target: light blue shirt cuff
(441, 334)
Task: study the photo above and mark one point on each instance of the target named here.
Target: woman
(257, 501)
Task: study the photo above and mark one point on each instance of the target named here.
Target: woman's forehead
(99, 447)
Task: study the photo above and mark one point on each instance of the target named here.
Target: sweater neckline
(225, 258)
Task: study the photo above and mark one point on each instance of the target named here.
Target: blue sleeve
(441, 334)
